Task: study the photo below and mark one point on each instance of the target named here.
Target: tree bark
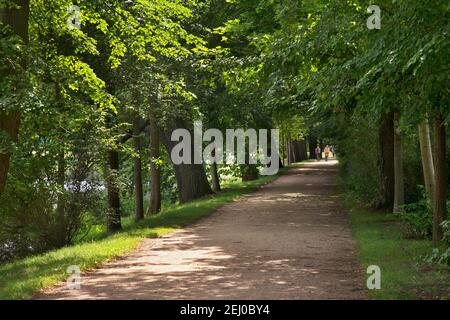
(155, 171)
(138, 190)
(17, 19)
(290, 152)
(215, 178)
(295, 151)
(312, 144)
(386, 161)
(301, 153)
(440, 192)
(280, 163)
(191, 178)
(60, 234)
(113, 216)
(9, 123)
(61, 178)
(399, 188)
(192, 182)
(282, 151)
(427, 159)
(249, 172)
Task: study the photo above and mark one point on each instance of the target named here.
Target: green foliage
(77, 97)
(357, 150)
(442, 254)
(310, 68)
(418, 217)
(39, 212)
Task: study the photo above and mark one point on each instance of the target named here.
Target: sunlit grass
(404, 274)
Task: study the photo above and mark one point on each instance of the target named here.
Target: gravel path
(289, 240)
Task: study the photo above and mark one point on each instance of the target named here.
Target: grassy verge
(22, 279)
(404, 273)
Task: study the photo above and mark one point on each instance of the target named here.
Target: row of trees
(377, 94)
(88, 109)
(86, 114)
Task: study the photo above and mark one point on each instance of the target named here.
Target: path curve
(289, 240)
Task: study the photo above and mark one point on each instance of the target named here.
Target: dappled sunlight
(282, 241)
(296, 195)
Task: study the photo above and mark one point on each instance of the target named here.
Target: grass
(22, 279)
(404, 271)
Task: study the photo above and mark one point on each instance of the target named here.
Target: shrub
(39, 214)
(418, 217)
(443, 256)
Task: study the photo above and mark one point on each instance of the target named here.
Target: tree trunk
(440, 191)
(295, 151)
(192, 182)
(9, 123)
(427, 159)
(312, 144)
(288, 157)
(215, 178)
(290, 152)
(113, 215)
(17, 19)
(399, 188)
(191, 178)
(61, 181)
(282, 152)
(249, 172)
(155, 171)
(138, 192)
(60, 232)
(386, 161)
(301, 151)
(280, 163)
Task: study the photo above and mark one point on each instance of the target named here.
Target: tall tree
(16, 17)
(114, 213)
(427, 159)
(399, 188)
(440, 191)
(138, 190)
(215, 177)
(155, 171)
(191, 178)
(386, 160)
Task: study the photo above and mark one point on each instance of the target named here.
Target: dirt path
(289, 240)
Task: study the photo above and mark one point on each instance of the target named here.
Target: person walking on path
(318, 153)
(326, 150)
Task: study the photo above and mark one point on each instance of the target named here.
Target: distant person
(333, 154)
(318, 153)
(326, 150)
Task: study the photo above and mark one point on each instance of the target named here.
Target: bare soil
(289, 240)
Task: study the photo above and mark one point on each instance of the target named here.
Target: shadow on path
(289, 240)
